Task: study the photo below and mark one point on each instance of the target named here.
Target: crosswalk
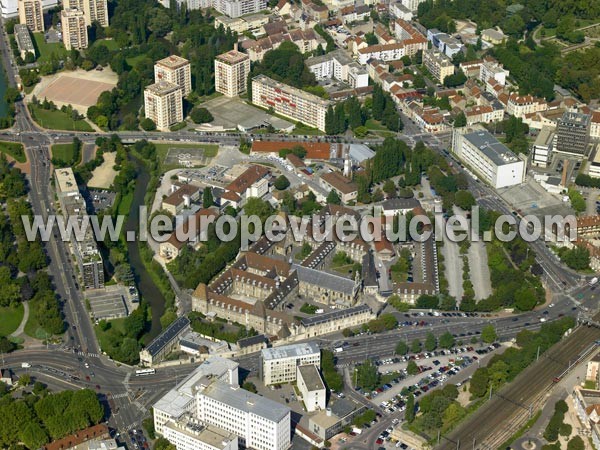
(88, 355)
(117, 396)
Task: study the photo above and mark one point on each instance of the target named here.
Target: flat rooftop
(232, 57)
(495, 150)
(290, 90)
(311, 376)
(575, 118)
(290, 351)
(162, 88)
(173, 62)
(66, 180)
(212, 436)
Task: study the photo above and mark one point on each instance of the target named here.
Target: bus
(143, 372)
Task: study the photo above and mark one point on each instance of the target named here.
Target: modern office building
(31, 14)
(163, 104)
(491, 160)
(279, 364)
(93, 10)
(311, 387)
(541, 150)
(165, 342)
(331, 421)
(189, 434)
(24, 42)
(290, 102)
(175, 70)
(74, 29)
(339, 66)
(182, 400)
(573, 133)
(438, 64)
(231, 73)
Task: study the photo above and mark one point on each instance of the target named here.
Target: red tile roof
(247, 179)
(314, 150)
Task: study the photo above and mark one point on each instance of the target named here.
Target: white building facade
(279, 365)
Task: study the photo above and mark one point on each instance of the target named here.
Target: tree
(415, 346)
(460, 120)
(464, 200)
(148, 124)
(410, 408)
(281, 183)
(479, 382)
(201, 115)
(576, 444)
(250, 387)
(401, 348)
(330, 123)
(446, 340)
(389, 188)
(367, 375)
(412, 368)
(24, 380)
(488, 334)
(430, 342)
(207, 198)
(333, 198)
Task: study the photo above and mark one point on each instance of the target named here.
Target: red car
(379, 441)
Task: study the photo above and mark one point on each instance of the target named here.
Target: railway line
(499, 418)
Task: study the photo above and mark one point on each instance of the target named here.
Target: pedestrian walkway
(21, 329)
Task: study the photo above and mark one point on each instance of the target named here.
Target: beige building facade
(32, 15)
(74, 29)
(163, 104)
(231, 73)
(175, 70)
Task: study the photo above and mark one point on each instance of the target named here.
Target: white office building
(311, 387)
(339, 66)
(279, 364)
(259, 423)
(182, 399)
(491, 160)
(231, 8)
(189, 434)
(541, 153)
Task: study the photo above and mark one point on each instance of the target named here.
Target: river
(148, 290)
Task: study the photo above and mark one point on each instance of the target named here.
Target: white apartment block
(438, 64)
(399, 11)
(413, 5)
(311, 387)
(175, 70)
(31, 14)
(237, 8)
(541, 151)
(74, 30)
(231, 73)
(278, 365)
(188, 434)
(93, 10)
(163, 104)
(491, 160)
(490, 68)
(289, 101)
(259, 423)
(410, 41)
(181, 400)
(339, 66)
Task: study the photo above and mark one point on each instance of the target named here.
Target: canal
(149, 292)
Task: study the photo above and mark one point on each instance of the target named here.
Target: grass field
(58, 120)
(64, 152)
(302, 129)
(45, 50)
(125, 204)
(110, 44)
(103, 336)
(11, 319)
(14, 150)
(375, 125)
(134, 60)
(33, 328)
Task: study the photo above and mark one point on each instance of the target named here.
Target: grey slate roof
(495, 150)
(164, 338)
(338, 314)
(325, 280)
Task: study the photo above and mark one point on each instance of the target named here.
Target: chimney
(235, 46)
(328, 412)
(564, 180)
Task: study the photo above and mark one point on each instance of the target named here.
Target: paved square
(229, 113)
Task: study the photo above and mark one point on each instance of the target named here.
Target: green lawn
(375, 125)
(134, 60)
(124, 204)
(110, 44)
(14, 150)
(33, 328)
(58, 120)
(303, 129)
(103, 336)
(64, 152)
(11, 319)
(45, 50)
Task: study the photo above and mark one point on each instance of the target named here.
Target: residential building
(573, 133)
(259, 423)
(94, 432)
(31, 14)
(490, 68)
(237, 8)
(190, 434)
(410, 41)
(231, 73)
(93, 10)
(165, 342)
(395, 206)
(74, 29)
(252, 183)
(279, 364)
(181, 197)
(354, 13)
(491, 160)
(399, 11)
(345, 188)
(541, 151)
(412, 5)
(24, 42)
(493, 36)
(175, 70)
(289, 101)
(336, 321)
(444, 42)
(83, 244)
(483, 114)
(311, 387)
(594, 124)
(182, 399)
(331, 421)
(193, 231)
(522, 105)
(438, 64)
(306, 40)
(587, 406)
(339, 66)
(163, 104)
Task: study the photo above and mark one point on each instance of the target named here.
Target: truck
(593, 281)
(25, 365)
(338, 349)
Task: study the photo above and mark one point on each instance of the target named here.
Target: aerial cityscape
(307, 224)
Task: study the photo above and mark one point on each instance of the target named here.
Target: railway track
(501, 417)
